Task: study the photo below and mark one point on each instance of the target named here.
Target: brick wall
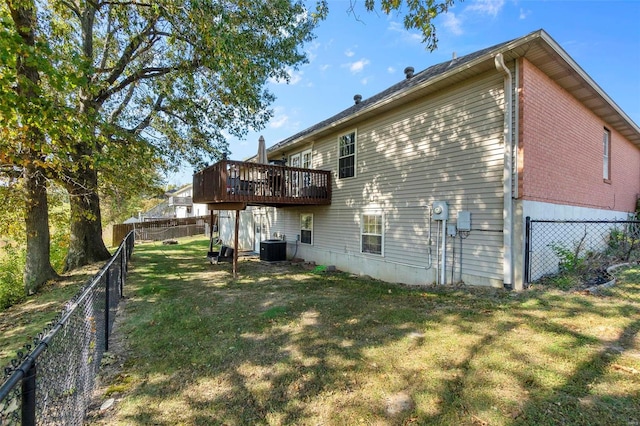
(560, 150)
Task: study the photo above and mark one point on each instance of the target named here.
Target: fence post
(106, 309)
(123, 264)
(527, 249)
(29, 396)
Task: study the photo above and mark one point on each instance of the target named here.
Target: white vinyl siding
(445, 146)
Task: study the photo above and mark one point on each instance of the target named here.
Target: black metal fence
(550, 244)
(52, 381)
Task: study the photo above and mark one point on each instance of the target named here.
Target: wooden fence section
(158, 230)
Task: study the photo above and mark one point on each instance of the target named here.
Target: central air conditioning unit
(273, 250)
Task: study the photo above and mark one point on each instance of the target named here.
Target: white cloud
(311, 51)
(279, 118)
(452, 23)
(294, 77)
(364, 81)
(391, 70)
(357, 66)
(349, 53)
(486, 7)
(325, 67)
(524, 14)
(408, 36)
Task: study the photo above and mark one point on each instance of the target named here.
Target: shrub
(11, 270)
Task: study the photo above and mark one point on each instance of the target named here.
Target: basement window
(306, 228)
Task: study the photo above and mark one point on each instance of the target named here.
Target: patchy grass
(21, 323)
(284, 345)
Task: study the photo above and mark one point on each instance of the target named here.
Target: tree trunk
(38, 269)
(86, 244)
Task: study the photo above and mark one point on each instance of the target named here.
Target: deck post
(235, 245)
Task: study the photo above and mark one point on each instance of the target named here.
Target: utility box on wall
(464, 220)
(440, 210)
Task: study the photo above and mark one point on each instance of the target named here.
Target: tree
(418, 15)
(22, 104)
(162, 80)
(168, 77)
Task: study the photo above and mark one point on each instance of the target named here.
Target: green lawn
(288, 345)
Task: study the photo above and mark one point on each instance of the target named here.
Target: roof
(538, 47)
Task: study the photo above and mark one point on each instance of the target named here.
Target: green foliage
(569, 260)
(417, 15)
(59, 236)
(11, 267)
(624, 244)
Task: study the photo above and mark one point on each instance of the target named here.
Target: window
(606, 157)
(372, 233)
(306, 159)
(306, 228)
(306, 164)
(347, 156)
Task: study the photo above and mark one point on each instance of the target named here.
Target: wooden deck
(230, 182)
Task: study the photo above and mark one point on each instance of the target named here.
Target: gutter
(507, 211)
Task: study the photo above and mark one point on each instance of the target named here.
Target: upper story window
(347, 155)
(606, 155)
(306, 159)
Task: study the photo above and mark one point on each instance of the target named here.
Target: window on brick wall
(606, 155)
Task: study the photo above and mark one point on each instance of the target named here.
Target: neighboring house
(178, 204)
(431, 180)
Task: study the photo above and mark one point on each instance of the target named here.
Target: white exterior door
(259, 230)
(294, 161)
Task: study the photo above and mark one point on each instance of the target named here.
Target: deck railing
(261, 184)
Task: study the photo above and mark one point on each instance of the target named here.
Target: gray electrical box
(451, 230)
(464, 220)
(440, 210)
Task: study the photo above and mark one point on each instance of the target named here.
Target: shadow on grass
(282, 345)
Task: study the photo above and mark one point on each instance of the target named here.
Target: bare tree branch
(128, 52)
(107, 42)
(157, 106)
(116, 112)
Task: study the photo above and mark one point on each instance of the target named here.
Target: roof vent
(454, 56)
(357, 99)
(408, 72)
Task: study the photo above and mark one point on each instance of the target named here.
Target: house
(430, 181)
(178, 203)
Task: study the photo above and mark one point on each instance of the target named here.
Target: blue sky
(366, 53)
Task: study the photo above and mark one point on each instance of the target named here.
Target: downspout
(507, 213)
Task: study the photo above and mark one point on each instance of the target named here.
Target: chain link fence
(552, 246)
(52, 381)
